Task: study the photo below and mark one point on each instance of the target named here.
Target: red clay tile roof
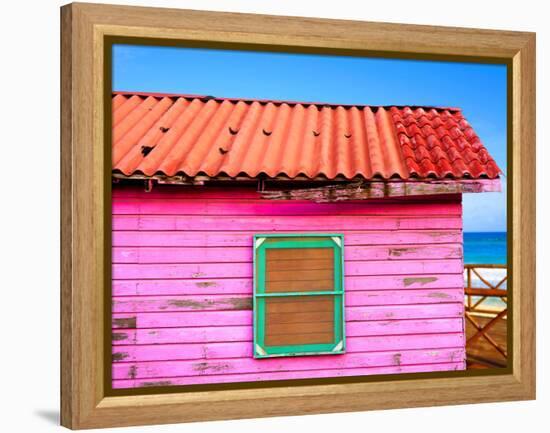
(196, 135)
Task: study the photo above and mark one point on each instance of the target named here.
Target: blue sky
(479, 89)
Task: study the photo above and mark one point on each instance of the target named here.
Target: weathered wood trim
(476, 185)
(364, 190)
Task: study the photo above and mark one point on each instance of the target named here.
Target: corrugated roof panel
(190, 135)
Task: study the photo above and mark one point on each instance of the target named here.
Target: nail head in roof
(164, 129)
(233, 131)
(268, 133)
(347, 135)
(222, 150)
(316, 134)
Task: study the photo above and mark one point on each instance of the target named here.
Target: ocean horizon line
(499, 232)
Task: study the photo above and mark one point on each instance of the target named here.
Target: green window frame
(263, 242)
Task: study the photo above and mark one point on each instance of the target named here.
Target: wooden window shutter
(298, 295)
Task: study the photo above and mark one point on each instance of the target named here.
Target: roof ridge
(281, 101)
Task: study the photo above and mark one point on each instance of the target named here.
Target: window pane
(299, 269)
(297, 320)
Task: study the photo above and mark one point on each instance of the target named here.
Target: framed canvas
(233, 252)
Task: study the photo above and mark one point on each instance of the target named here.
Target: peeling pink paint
(182, 285)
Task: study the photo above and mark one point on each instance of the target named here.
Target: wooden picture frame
(87, 31)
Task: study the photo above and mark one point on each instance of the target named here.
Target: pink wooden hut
(268, 240)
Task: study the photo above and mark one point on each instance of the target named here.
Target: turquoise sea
(485, 248)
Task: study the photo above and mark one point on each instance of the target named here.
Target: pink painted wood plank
(195, 286)
(244, 317)
(404, 297)
(170, 352)
(245, 254)
(244, 270)
(177, 319)
(394, 312)
(405, 327)
(243, 286)
(402, 252)
(263, 207)
(129, 304)
(173, 192)
(183, 335)
(244, 333)
(167, 352)
(280, 223)
(286, 375)
(249, 365)
(244, 238)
